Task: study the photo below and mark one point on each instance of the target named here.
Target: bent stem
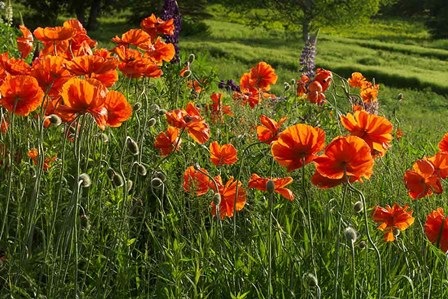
(369, 237)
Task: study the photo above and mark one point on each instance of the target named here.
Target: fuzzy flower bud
(350, 234)
(84, 180)
(152, 122)
(358, 207)
(132, 146)
(117, 180)
(54, 119)
(156, 183)
(270, 186)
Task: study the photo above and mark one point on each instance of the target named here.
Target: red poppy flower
(225, 154)
(217, 109)
(324, 78)
(440, 163)
(53, 34)
(4, 124)
(268, 132)
(13, 66)
(94, 66)
(229, 192)
(85, 96)
(118, 108)
(399, 134)
(357, 80)
(392, 218)
(298, 145)
(168, 141)
(302, 85)
(370, 94)
(375, 130)
(159, 51)
(443, 144)
(135, 37)
(25, 42)
(322, 182)
(262, 76)
(436, 229)
(50, 73)
(195, 181)
(21, 94)
(315, 93)
(134, 65)
(191, 120)
(422, 180)
(345, 156)
(155, 26)
(259, 183)
(34, 155)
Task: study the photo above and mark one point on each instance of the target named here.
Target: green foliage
(436, 21)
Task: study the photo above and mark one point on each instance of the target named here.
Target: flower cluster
(313, 88)
(368, 93)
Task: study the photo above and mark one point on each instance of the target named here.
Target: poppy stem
(369, 237)
(338, 242)
(270, 203)
(308, 207)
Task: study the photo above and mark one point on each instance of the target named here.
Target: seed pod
(84, 180)
(117, 180)
(132, 146)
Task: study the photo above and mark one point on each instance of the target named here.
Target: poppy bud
(137, 106)
(117, 180)
(217, 199)
(132, 146)
(152, 121)
(55, 120)
(141, 169)
(197, 166)
(84, 180)
(154, 107)
(293, 82)
(400, 96)
(396, 232)
(270, 186)
(130, 185)
(350, 234)
(156, 183)
(191, 58)
(85, 223)
(310, 280)
(110, 173)
(358, 207)
(160, 175)
(362, 244)
(287, 86)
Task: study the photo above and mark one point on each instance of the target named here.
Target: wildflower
(324, 78)
(191, 120)
(217, 109)
(51, 74)
(443, 144)
(156, 26)
(118, 108)
(370, 94)
(345, 157)
(422, 180)
(262, 76)
(297, 146)
(94, 66)
(268, 132)
(440, 163)
(168, 141)
(357, 80)
(21, 94)
(302, 85)
(196, 181)
(229, 192)
(315, 93)
(134, 65)
(399, 134)
(135, 37)
(171, 11)
(436, 229)
(159, 51)
(225, 154)
(392, 218)
(308, 56)
(25, 42)
(34, 155)
(373, 129)
(261, 184)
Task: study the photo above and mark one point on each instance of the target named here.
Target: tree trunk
(95, 8)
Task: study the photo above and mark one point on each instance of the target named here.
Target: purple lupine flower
(308, 56)
(229, 85)
(171, 11)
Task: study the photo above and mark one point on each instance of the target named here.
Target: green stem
(338, 242)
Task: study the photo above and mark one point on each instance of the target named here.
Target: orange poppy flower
(302, 85)
(268, 132)
(324, 78)
(422, 180)
(259, 183)
(4, 124)
(229, 192)
(135, 37)
(50, 73)
(118, 108)
(347, 156)
(85, 96)
(315, 93)
(399, 134)
(168, 141)
(443, 144)
(21, 94)
(262, 76)
(159, 51)
(34, 155)
(217, 109)
(195, 181)
(13, 66)
(440, 163)
(392, 218)
(25, 42)
(370, 94)
(357, 80)
(53, 34)
(155, 26)
(134, 65)
(375, 130)
(436, 229)
(297, 146)
(94, 66)
(191, 120)
(322, 182)
(225, 154)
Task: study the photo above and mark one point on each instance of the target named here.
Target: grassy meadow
(132, 230)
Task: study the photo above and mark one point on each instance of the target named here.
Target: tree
(437, 19)
(311, 13)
